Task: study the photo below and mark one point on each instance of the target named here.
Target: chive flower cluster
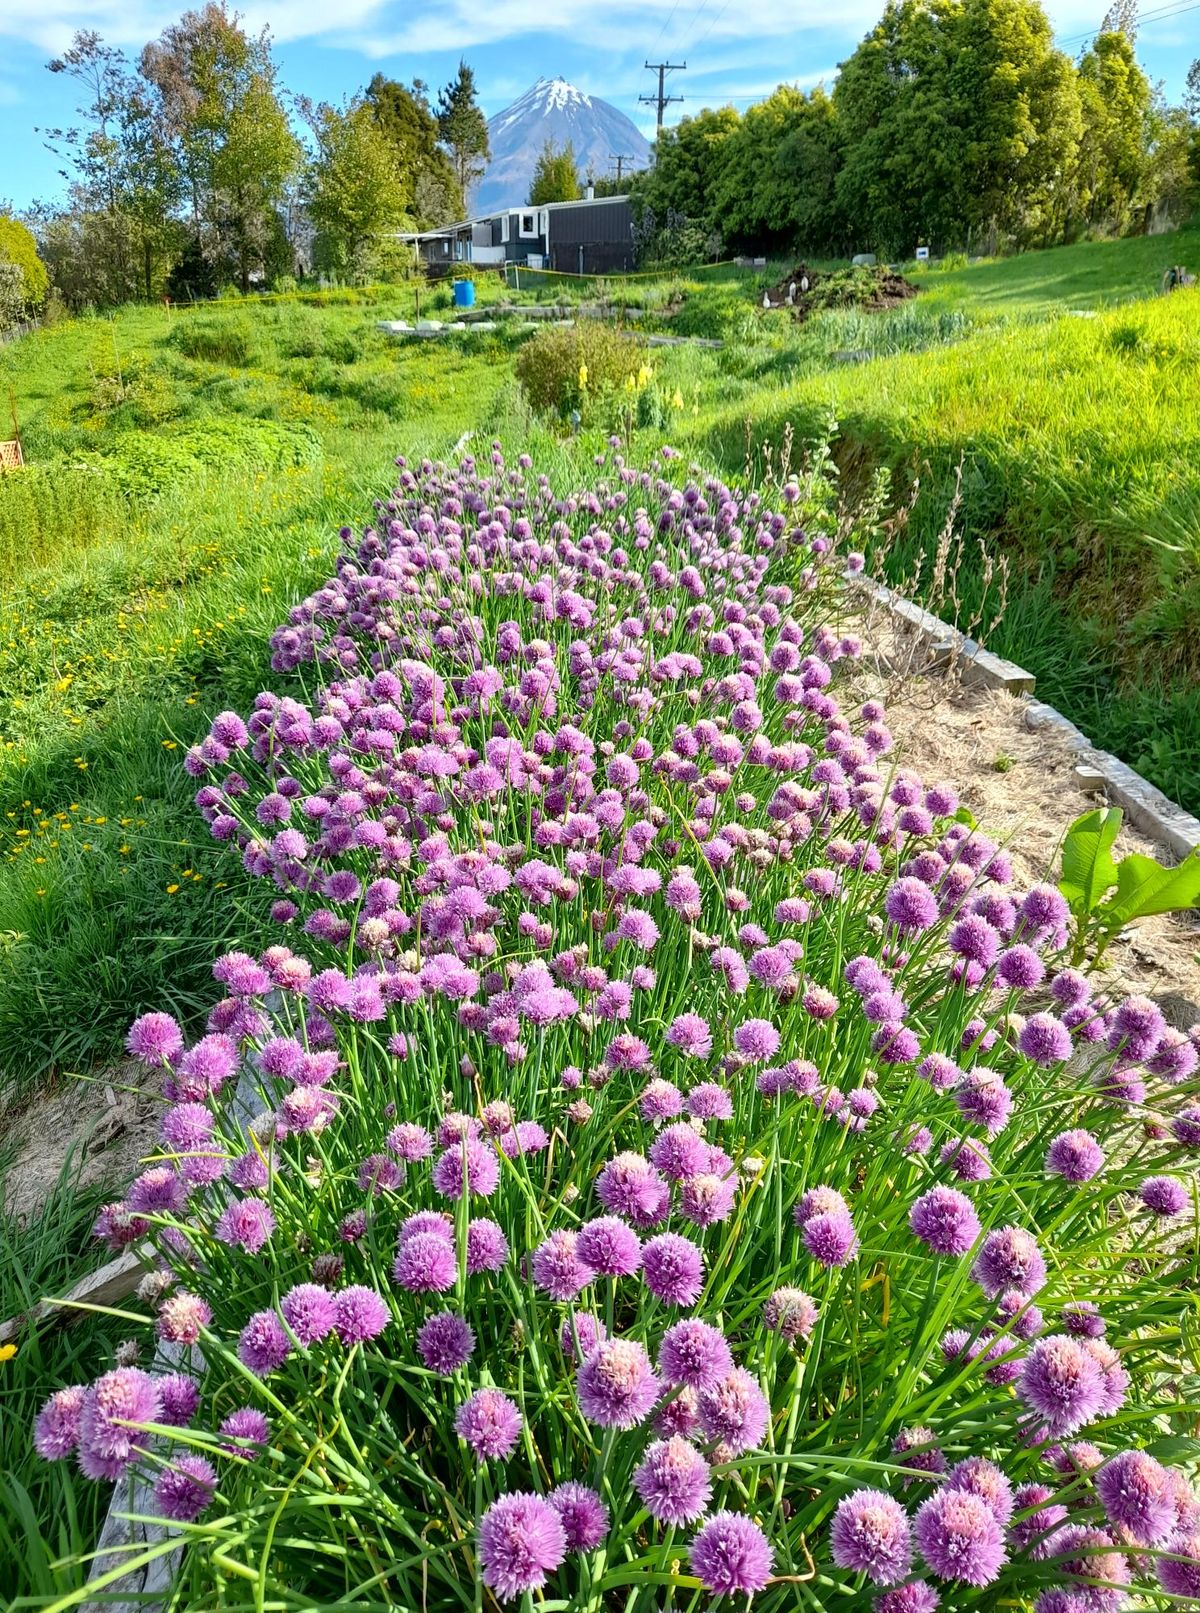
(664, 1138)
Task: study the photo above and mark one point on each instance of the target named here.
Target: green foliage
(571, 367)
(48, 1522)
(18, 248)
(143, 464)
(463, 129)
(1105, 895)
(216, 340)
(555, 176)
(354, 188)
(431, 189)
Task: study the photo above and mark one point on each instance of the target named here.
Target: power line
(713, 23)
(620, 158)
(1162, 14)
(662, 99)
(666, 24)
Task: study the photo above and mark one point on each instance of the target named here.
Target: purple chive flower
(1089, 1555)
(583, 1515)
(181, 1317)
(630, 1186)
(708, 1101)
(1163, 1195)
(557, 1267)
(183, 1490)
(694, 1353)
(426, 1264)
(945, 1220)
(870, 1535)
(1179, 1574)
(113, 1411)
(917, 1596)
(960, 1537)
(154, 1039)
(579, 1335)
(521, 1540)
(984, 1479)
(731, 1556)
(362, 1314)
(487, 1247)
(309, 1311)
(1076, 1156)
(616, 1385)
(1136, 1029)
(830, 1238)
(1083, 1319)
(982, 1097)
(679, 1151)
(609, 1247)
(249, 1426)
(246, 1224)
(1062, 1381)
(1009, 1258)
(756, 1040)
(264, 1344)
(1136, 1495)
(735, 1412)
(1034, 1533)
(1045, 1040)
(911, 906)
(661, 1100)
(1020, 968)
(445, 1342)
(471, 1159)
(791, 1313)
(180, 1396)
(707, 1198)
(919, 1453)
(56, 1428)
(691, 1035)
(674, 1269)
(674, 1481)
(490, 1424)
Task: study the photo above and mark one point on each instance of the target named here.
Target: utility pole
(662, 99)
(620, 158)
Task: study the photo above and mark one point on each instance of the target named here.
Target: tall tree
(432, 193)
(1114, 153)
(555, 176)
(1191, 93)
(218, 89)
(1122, 18)
(119, 164)
(463, 130)
(354, 186)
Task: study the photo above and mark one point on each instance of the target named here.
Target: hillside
(555, 111)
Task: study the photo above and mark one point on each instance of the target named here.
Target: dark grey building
(590, 236)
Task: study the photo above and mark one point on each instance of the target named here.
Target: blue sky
(735, 50)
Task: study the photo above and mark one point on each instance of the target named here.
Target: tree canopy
(555, 176)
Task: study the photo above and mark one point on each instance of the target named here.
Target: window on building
(528, 226)
(504, 228)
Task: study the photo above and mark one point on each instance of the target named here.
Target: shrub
(568, 366)
(18, 248)
(145, 465)
(670, 1166)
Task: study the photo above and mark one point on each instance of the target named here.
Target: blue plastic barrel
(464, 293)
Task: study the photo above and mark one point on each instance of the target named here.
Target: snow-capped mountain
(556, 111)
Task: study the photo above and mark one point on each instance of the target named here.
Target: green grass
(47, 1518)
(189, 471)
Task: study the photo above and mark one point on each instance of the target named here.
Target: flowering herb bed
(686, 1167)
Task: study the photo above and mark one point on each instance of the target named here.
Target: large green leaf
(1088, 869)
(1145, 887)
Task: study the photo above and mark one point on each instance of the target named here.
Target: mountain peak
(555, 110)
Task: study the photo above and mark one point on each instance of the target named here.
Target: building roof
(445, 230)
